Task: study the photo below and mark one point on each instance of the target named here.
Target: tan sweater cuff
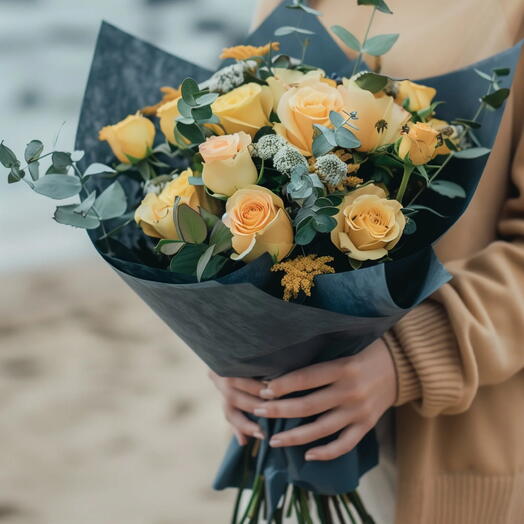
(425, 353)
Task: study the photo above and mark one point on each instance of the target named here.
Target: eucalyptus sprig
(375, 46)
(195, 112)
(327, 138)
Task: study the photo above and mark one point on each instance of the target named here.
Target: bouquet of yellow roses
(311, 180)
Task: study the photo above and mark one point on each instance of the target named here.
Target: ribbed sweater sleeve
(471, 332)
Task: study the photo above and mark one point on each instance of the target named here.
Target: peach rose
(302, 107)
(283, 79)
(380, 120)
(227, 163)
(259, 223)
(420, 143)
(368, 224)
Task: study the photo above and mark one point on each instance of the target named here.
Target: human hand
(240, 395)
(355, 392)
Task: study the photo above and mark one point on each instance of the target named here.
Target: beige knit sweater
(460, 355)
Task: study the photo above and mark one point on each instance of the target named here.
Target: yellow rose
(379, 120)
(245, 108)
(155, 213)
(259, 224)
(283, 79)
(132, 137)
(445, 131)
(302, 107)
(227, 163)
(168, 113)
(368, 224)
(419, 96)
(420, 143)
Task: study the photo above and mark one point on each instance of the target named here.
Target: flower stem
(408, 169)
(359, 58)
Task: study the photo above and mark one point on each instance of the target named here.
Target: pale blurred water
(45, 53)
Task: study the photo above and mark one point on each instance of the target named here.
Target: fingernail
(310, 456)
(267, 393)
(260, 412)
(259, 435)
(275, 442)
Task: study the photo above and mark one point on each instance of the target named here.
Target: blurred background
(105, 416)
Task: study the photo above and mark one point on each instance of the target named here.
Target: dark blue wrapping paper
(234, 324)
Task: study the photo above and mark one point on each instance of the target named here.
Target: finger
(347, 440)
(248, 385)
(305, 406)
(241, 424)
(324, 426)
(241, 439)
(306, 378)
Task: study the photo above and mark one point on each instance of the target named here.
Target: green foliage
(372, 82)
(111, 203)
(33, 151)
(68, 215)
(288, 30)
(97, 169)
(447, 188)
(472, 152)
(316, 216)
(325, 139)
(7, 157)
(169, 247)
(468, 123)
(380, 5)
(347, 37)
(496, 99)
(58, 187)
(380, 44)
(220, 237)
(191, 227)
(299, 4)
(186, 260)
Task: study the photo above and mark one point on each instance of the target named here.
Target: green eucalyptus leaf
(186, 260)
(112, 202)
(497, 98)
(67, 215)
(189, 90)
(417, 207)
(483, 75)
(472, 152)
(61, 160)
(324, 223)
(355, 264)
(203, 261)
(213, 267)
(287, 30)
(329, 211)
(321, 145)
(183, 108)
(169, 247)
(380, 44)
(410, 227)
(336, 118)
(206, 99)
(33, 150)
(465, 122)
(191, 131)
(447, 189)
(346, 139)
(372, 82)
(7, 157)
(34, 168)
(209, 218)
(86, 204)
(299, 4)
(347, 37)
(306, 233)
(58, 186)
(221, 237)
(190, 226)
(379, 4)
(201, 113)
(502, 71)
(15, 175)
(97, 168)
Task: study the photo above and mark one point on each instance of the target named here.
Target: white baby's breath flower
(288, 158)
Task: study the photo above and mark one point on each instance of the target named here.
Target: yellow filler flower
(243, 52)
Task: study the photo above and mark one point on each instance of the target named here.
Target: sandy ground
(105, 415)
